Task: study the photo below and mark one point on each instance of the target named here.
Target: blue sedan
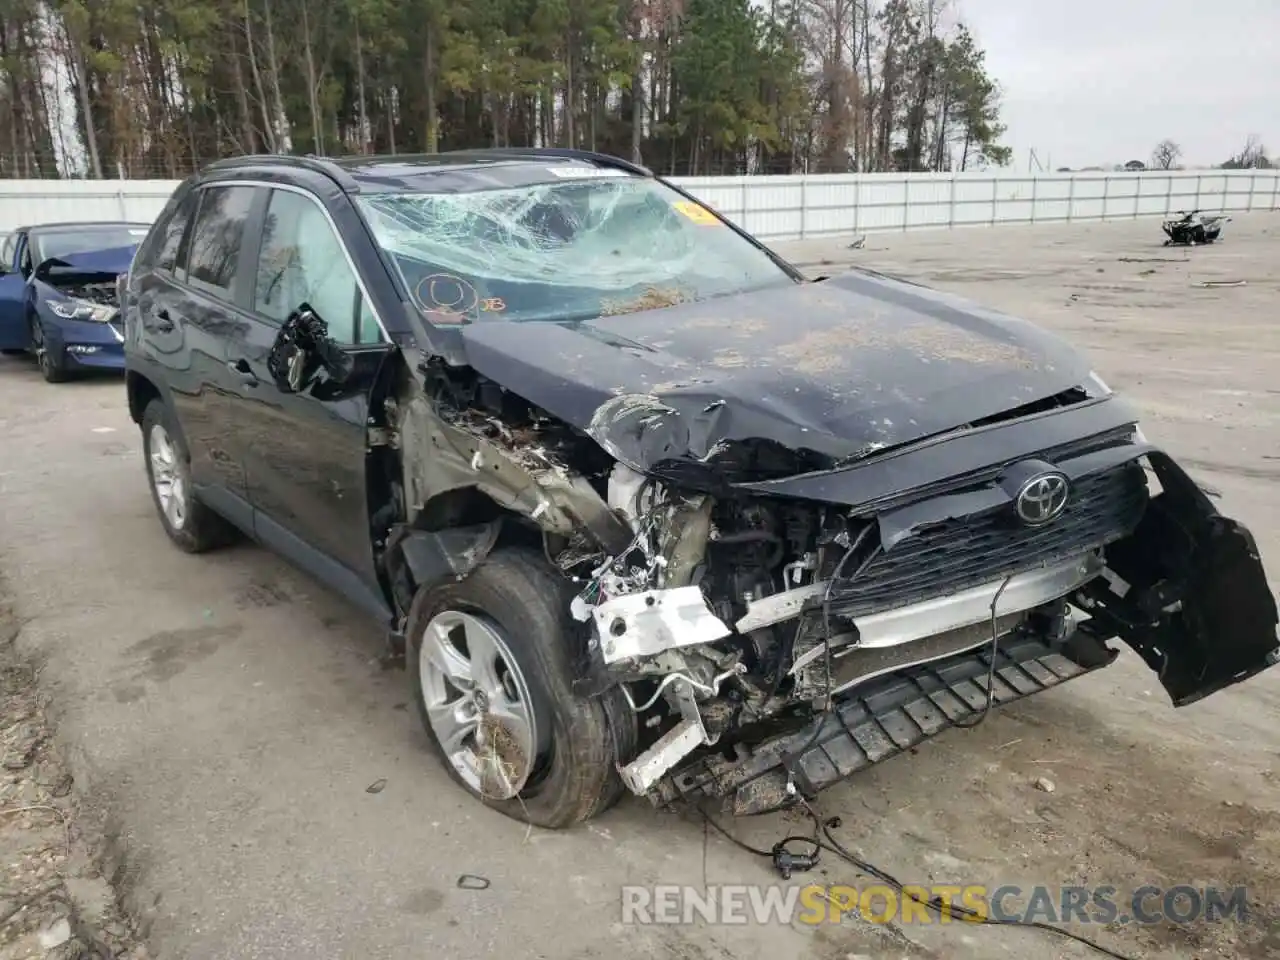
(58, 298)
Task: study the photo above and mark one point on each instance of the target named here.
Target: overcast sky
(1091, 82)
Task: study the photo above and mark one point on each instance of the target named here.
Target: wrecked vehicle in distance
(58, 294)
(646, 508)
(1193, 228)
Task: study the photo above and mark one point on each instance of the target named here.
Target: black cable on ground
(968, 723)
(823, 840)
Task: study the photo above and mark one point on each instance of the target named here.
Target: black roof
(442, 172)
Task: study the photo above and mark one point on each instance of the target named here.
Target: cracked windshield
(567, 250)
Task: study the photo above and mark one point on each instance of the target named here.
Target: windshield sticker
(586, 172)
(493, 305)
(446, 299)
(697, 213)
(137, 233)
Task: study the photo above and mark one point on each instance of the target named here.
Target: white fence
(804, 207)
(801, 207)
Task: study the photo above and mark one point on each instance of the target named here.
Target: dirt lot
(223, 717)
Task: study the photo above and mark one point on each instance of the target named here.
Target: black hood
(829, 371)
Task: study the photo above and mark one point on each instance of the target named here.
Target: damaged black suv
(645, 508)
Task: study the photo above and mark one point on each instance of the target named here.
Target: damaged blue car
(58, 298)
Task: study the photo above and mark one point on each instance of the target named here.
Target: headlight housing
(74, 308)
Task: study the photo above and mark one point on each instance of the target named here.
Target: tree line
(1252, 156)
(114, 88)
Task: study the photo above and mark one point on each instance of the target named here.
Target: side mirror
(303, 349)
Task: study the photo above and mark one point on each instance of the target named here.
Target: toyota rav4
(645, 508)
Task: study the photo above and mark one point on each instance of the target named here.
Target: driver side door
(305, 448)
(13, 297)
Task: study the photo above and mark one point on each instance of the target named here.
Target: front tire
(191, 525)
(52, 366)
(490, 662)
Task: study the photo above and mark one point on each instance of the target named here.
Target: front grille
(965, 552)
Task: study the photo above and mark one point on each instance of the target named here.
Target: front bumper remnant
(880, 719)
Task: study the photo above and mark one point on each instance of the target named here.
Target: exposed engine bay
(103, 292)
(738, 623)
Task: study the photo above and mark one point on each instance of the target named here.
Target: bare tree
(1165, 155)
(1253, 156)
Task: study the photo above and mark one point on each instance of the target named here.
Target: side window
(303, 261)
(161, 249)
(216, 238)
(25, 266)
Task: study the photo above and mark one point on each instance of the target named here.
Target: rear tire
(191, 525)
(578, 742)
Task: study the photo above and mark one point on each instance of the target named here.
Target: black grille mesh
(968, 551)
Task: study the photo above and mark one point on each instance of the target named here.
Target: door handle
(242, 370)
(164, 322)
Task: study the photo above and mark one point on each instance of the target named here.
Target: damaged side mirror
(303, 349)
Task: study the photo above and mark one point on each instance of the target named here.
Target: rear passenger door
(305, 455)
(190, 318)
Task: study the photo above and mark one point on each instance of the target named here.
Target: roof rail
(306, 162)
(564, 153)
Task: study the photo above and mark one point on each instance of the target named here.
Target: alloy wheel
(168, 477)
(478, 704)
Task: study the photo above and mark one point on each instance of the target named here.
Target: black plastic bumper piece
(878, 720)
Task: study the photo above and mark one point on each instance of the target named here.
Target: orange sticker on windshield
(697, 213)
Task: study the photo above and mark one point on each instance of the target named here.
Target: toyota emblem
(1042, 499)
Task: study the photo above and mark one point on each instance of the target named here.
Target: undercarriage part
(709, 689)
(644, 624)
(673, 746)
(886, 716)
(766, 611)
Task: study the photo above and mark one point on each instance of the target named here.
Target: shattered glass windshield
(594, 243)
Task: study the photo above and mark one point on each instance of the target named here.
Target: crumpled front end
(79, 312)
(774, 634)
(774, 643)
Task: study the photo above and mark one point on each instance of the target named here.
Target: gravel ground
(55, 901)
(223, 716)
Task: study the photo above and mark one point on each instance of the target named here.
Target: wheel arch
(140, 391)
(452, 534)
